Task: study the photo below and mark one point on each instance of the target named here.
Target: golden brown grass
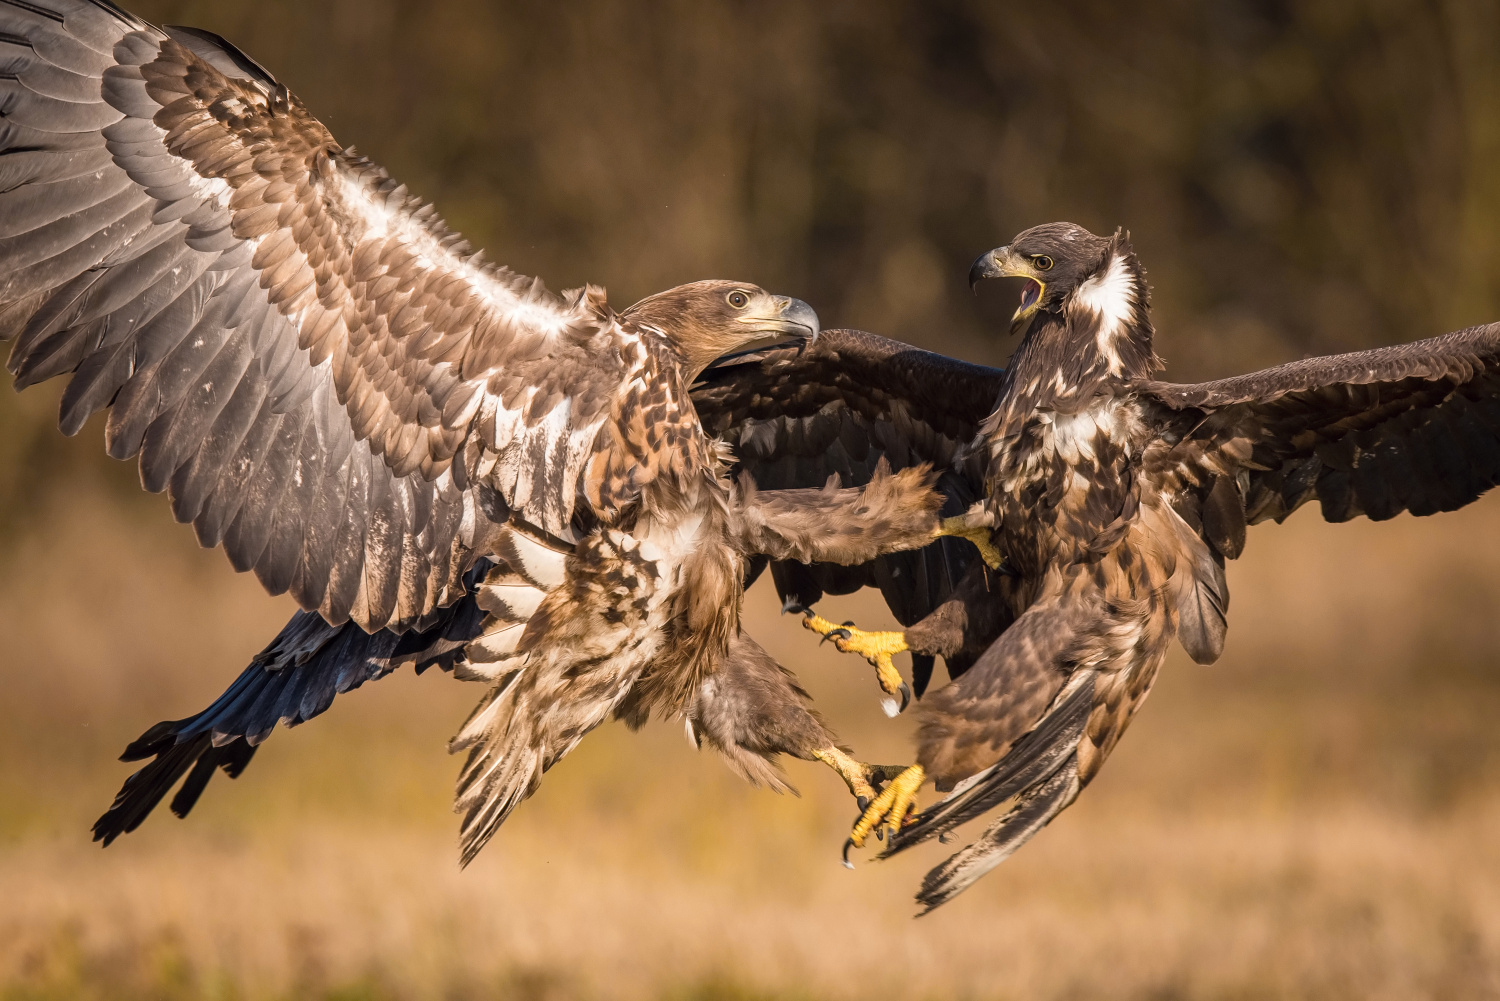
(1316, 816)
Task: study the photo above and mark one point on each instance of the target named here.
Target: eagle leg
(891, 809)
(877, 648)
(864, 780)
(975, 528)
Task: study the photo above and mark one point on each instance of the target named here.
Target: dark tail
(1034, 759)
(292, 680)
(1039, 774)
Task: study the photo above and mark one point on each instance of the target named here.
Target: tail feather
(1033, 760)
(482, 718)
(506, 759)
(483, 814)
(1033, 811)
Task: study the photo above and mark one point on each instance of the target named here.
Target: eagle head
(1055, 259)
(705, 320)
(1093, 285)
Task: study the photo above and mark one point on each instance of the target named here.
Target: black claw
(880, 833)
(905, 692)
(850, 622)
(793, 606)
(848, 844)
(863, 802)
(841, 633)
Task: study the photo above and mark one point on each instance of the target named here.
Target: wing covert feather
(1412, 427)
(798, 414)
(284, 335)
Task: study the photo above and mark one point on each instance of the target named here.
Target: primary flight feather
(438, 458)
(1115, 498)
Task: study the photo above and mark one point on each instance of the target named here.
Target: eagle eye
(1042, 262)
(738, 299)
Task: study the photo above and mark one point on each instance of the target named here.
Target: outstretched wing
(798, 414)
(313, 365)
(295, 678)
(1414, 427)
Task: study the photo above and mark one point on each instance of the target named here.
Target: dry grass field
(1318, 816)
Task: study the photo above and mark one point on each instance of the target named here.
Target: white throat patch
(1110, 296)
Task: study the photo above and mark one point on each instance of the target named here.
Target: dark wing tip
(145, 788)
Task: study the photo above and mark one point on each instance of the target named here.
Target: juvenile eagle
(334, 389)
(1115, 500)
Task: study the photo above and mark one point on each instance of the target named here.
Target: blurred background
(1317, 816)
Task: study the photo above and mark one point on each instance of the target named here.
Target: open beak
(785, 317)
(1002, 263)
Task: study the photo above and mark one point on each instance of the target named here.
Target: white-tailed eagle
(1115, 499)
(334, 389)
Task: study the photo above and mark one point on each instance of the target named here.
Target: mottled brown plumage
(1116, 499)
(334, 389)
(839, 407)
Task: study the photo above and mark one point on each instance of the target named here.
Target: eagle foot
(877, 648)
(961, 526)
(865, 781)
(889, 811)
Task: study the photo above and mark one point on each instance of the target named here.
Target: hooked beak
(1002, 263)
(988, 265)
(786, 317)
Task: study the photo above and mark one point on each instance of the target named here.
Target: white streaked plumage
(1110, 296)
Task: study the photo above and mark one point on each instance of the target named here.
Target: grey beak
(800, 319)
(987, 265)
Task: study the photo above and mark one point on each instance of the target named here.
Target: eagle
(414, 443)
(1115, 498)
(750, 708)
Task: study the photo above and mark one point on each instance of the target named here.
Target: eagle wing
(799, 414)
(312, 364)
(1412, 427)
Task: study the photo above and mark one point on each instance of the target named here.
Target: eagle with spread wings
(448, 466)
(1115, 498)
(441, 461)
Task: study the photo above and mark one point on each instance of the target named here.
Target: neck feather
(1109, 311)
(1100, 338)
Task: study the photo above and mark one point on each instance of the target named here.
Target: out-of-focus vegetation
(1299, 177)
(1316, 816)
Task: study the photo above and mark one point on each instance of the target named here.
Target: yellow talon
(857, 775)
(960, 527)
(891, 807)
(876, 647)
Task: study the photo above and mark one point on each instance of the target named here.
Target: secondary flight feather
(334, 389)
(1116, 500)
